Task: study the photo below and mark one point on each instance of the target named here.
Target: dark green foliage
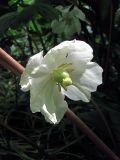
(14, 19)
(26, 27)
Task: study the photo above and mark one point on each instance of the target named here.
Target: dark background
(26, 28)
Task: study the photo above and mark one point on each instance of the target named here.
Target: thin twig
(40, 36)
(36, 46)
(19, 134)
(30, 41)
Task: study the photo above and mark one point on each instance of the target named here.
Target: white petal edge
(80, 48)
(76, 94)
(54, 107)
(33, 62)
(48, 100)
(92, 77)
(37, 93)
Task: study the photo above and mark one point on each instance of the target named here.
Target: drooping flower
(65, 70)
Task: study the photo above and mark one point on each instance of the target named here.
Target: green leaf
(28, 1)
(58, 27)
(8, 20)
(20, 151)
(11, 2)
(46, 10)
(31, 26)
(14, 19)
(117, 17)
(78, 13)
(77, 25)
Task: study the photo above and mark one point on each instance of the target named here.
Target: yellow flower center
(67, 81)
(61, 75)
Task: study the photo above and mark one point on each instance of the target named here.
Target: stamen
(64, 65)
(61, 75)
(67, 82)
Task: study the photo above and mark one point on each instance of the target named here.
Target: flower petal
(92, 77)
(72, 56)
(60, 103)
(48, 100)
(68, 52)
(37, 93)
(73, 49)
(85, 83)
(54, 107)
(33, 62)
(76, 94)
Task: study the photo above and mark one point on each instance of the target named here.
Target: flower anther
(61, 75)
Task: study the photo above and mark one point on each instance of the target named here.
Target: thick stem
(83, 127)
(10, 63)
(7, 66)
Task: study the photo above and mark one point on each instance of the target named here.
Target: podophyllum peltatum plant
(66, 70)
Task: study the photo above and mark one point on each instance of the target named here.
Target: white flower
(65, 70)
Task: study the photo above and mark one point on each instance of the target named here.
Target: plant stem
(30, 41)
(82, 126)
(7, 66)
(10, 63)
